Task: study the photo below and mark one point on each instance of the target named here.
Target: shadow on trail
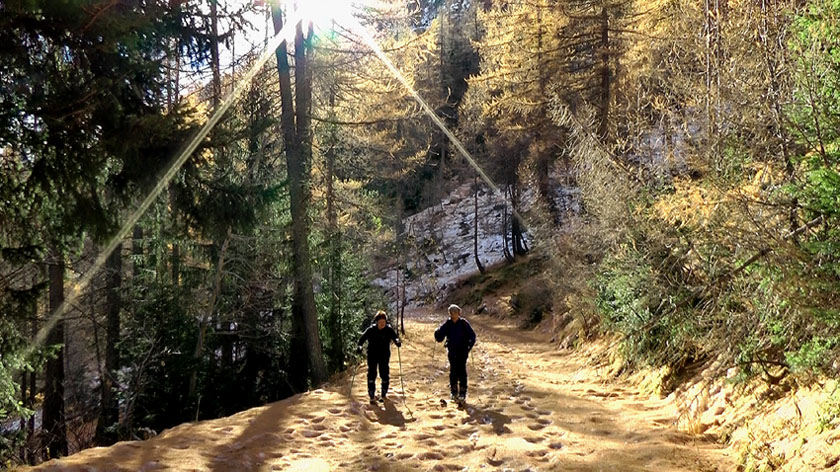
(262, 434)
(497, 419)
(389, 414)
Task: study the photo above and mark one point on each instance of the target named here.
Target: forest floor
(530, 407)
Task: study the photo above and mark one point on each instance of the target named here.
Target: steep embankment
(531, 407)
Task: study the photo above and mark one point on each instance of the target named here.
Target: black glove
(359, 349)
(398, 343)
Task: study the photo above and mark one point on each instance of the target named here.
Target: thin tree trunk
(603, 128)
(23, 401)
(30, 431)
(109, 410)
(54, 425)
(402, 295)
(516, 225)
(505, 250)
(136, 251)
(205, 319)
(475, 224)
(214, 52)
(175, 258)
(336, 336)
(778, 113)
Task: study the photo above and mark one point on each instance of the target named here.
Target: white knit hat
(454, 308)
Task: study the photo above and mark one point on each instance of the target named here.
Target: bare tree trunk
(505, 250)
(778, 112)
(205, 319)
(109, 410)
(306, 343)
(54, 425)
(214, 52)
(30, 430)
(303, 103)
(336, 336)
(136, 250)
(475, 224)
(402, 294)
(516, 225)
(175, 258)
(603, 128)
(23, 377)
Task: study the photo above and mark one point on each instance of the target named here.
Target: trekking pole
(402, 384)
(355, 369)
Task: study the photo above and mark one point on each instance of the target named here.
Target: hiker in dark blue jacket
(460, 339)
(379, 336)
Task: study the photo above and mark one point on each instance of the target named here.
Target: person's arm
(395, 337)
(364, 338)
(470, 337)
(442, 331)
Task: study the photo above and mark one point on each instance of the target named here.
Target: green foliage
(830, 411)
(359, 300)
(157, 347)
(631, 298)
(814, 355)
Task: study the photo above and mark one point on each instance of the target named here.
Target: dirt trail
(530, 407)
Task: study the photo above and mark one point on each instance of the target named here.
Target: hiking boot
(372, 400)
(453, 397)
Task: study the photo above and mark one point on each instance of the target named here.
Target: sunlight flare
(83, 283)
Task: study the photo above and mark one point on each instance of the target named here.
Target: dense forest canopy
(675, 165)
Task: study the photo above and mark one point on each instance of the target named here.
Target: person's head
(380, 319)
(454, 312)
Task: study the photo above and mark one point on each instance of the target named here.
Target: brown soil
(530, 407)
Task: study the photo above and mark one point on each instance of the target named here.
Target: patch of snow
(440, 240)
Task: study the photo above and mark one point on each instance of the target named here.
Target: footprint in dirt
(430, 456)
(442, 467)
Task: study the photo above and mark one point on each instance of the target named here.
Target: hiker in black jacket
(460, 339)
(379, 336)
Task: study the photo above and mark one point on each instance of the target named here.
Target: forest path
(530, 407)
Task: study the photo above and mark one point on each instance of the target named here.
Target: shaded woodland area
(702, 136)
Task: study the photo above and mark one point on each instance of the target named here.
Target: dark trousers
(384, 370)
(458, 373)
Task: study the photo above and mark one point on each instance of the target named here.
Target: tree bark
(30, 430)
(136, 250)
(109, 410)
(23, 378)
(307, 359)
(54, 425)
(475, 225)
(505, 250)
(336, 336)
(205, 319)
(603, 128)
(214, 52)
(300, 218)
(516, 225)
